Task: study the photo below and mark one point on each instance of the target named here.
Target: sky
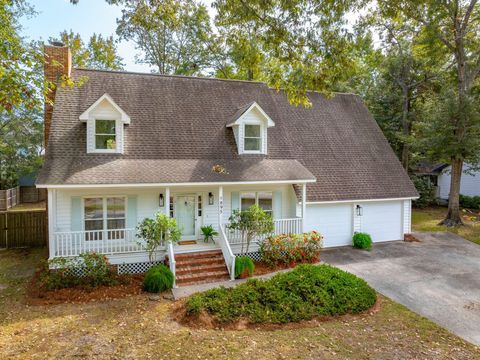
(85, 18)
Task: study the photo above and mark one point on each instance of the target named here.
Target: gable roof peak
(105, 97)
(244, 110)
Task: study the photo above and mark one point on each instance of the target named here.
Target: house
(440, 177)
(124, 146)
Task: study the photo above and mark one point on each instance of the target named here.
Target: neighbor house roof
(178, 133)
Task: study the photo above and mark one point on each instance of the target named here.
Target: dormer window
(105, 126)
(105, 135)
(250, 125)
(253, 138)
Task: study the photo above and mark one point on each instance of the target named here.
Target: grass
(136, 327)
(429, 218)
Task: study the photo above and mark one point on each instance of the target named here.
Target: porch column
(51, 206)
(220, 207)
(167, 201)
(304, 205)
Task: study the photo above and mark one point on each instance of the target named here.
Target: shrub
(291, 249)
(157, 279)
(242, 264)
(88, 269)
(300, 294)
(470, 202)
(426, 190)
(362, 241)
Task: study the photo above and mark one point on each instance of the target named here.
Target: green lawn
(428, 219)
(136, 327)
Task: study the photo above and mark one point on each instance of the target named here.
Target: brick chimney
(58, 64)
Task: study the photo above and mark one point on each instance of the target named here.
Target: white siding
(469, 185)
(407, 216)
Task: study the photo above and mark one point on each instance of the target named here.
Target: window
(199, 205)
(171, 206)
(262, 199)
(253, 138)
(105, 137)
(104, 213)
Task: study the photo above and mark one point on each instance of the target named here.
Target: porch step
(200, 267)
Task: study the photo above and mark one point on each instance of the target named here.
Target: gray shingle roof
(177, 133)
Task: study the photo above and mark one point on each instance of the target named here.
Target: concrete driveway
(438, 277)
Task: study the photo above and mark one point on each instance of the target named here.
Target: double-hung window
(104, 215)
(252, 138)
(263, 199)
(105, 135)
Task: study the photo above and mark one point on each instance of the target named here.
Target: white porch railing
(108, 242)
(171, 262)
(227, 253)
(281, 226)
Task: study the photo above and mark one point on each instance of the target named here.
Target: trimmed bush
(426, 190)
(362, 241)
(87, 270)
(300, 294)
(157, 279)
(242, 264)
(470, 202)
(291, 249)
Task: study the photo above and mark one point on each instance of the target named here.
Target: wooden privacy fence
(23, 229)
(9, 198)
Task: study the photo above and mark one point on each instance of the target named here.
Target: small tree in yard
(155, 232)
(251, 223)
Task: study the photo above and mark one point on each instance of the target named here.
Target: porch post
(51, 206)
(220, 207)
(304, 205)
(167, 201)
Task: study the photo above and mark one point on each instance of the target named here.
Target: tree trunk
(406, 128)
(453, 217)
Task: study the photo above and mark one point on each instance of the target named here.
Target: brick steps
(200, 267)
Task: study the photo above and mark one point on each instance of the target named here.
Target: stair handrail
(171, 261)
(227, 253)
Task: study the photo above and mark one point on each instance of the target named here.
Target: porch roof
(154, 171)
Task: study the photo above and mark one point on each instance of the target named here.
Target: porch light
(359, 210)
(210, 198)
(161, 201)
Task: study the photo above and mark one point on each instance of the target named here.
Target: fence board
(23, 229)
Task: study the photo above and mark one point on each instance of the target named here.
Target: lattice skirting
(255, 256)
(136, 268)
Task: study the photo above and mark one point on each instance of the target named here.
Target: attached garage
(382, 220)
(334, 221)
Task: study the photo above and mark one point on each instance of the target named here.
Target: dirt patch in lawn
(207, 321)
(36, 295)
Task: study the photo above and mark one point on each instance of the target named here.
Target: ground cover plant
(301, 294)
(290, 249)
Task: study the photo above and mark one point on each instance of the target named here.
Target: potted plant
(208, 233)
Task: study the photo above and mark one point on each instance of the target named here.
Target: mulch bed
(208, 321)
(261, 268)
(129, 285)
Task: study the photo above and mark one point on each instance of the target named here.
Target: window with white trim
(252, 138)
(104, 213)
(263, 199)
(105, 135)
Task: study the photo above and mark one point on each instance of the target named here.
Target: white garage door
(382, 220)
(333, 221)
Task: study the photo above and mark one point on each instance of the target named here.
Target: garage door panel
(333, 221)
(382, 220)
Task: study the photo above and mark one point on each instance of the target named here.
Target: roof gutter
(361, 200)
(150, 185)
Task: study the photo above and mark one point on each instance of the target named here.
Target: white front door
(185, 215)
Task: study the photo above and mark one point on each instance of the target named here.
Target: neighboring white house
(469, 183)
(124, 146)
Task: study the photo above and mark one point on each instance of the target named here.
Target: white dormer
(105, 126)
(250, 124)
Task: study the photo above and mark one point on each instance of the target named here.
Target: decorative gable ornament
(250, 124)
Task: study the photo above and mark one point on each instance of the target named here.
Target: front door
(185, 215)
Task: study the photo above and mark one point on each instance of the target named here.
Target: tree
(19, 61)
(100, 53)
(21, 143)
(306, 43)
(252, 223)
(173, 34)
(452, 27)
(157, 232)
